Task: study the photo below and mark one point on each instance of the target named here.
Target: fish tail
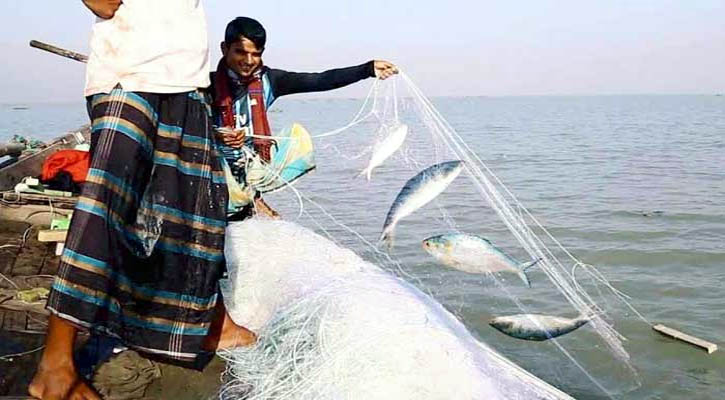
(529, 264)
(522, 270)
(524, 277)
(590, 315)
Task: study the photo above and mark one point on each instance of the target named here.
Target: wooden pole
(675, 334)
(57, 50)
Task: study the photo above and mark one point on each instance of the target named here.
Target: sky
(449, 48)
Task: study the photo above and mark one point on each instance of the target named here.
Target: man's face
(242, 56)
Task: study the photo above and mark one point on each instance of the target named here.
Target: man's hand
(103, 8)
(262, 207)
(232, 137)
(384, 69)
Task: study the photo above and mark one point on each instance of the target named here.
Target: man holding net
(244, 88)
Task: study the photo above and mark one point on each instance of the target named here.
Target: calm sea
(634, 185)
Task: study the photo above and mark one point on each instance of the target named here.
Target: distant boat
(21, 108)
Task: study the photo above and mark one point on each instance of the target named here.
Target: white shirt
(156, 46)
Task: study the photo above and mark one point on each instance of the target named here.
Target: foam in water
(332, 326)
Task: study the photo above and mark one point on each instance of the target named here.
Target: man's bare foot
(234, 335)
(225, 334)
(81, 391)
(60, 383)
(56, 377)
(53, 382)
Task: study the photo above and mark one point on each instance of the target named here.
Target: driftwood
(675, 334)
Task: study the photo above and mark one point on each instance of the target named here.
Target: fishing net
(334, 326)
(369, 324)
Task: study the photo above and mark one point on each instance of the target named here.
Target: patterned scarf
(224, 103)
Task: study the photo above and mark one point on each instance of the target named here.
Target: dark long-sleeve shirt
(277, 83)
(283, 82)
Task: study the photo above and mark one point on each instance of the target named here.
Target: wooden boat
(25, 263)
(11, 149)
(15, 169)
(35, 208)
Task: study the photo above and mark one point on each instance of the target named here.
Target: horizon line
(316, 97)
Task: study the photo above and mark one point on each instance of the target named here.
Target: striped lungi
(144, 251)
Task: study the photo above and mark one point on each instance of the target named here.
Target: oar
(57, 50)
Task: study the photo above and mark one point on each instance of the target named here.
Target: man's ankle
(57, 360)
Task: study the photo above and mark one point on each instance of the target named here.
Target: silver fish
(536, 326)
(386, 148)
(417, 192)
(474, 254)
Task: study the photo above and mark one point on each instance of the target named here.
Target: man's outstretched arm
(103, 8)
(284, 82)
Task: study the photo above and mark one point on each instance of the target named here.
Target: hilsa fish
(385, 149)
(536, 326)
(417, 192)
(475, 255)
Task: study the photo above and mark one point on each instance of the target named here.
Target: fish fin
(529, 264)
(522, 275)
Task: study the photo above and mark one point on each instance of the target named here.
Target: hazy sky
(452, 47)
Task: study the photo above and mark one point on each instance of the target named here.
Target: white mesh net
(332, 325)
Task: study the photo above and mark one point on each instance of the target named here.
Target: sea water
(633, 185)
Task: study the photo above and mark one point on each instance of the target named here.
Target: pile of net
(333, 326)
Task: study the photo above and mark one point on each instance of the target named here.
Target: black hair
(248, 28)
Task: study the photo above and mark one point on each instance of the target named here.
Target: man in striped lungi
(145, 248)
